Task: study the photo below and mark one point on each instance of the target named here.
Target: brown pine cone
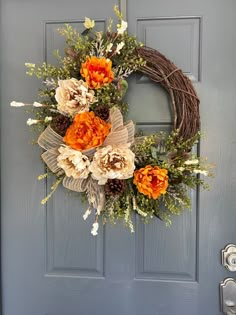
(102, 111)
(60, 124)
(114, 187)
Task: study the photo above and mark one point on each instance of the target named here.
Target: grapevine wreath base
(89, 147)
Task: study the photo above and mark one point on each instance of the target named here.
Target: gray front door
(51, 265)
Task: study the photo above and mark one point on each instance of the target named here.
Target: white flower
(99, 36)
(191, 162)
(88, 23)
(112, 162)
(202, 172)
(50, 83)
(17, 104)
(47, 119)
(73, 162)
(73, 96)
(36, 104)
(87, 213)
(31, 65)
(109, 46)
(119, 47)
(122, 27)
(181, 169)
(31, 121)
(94, 230)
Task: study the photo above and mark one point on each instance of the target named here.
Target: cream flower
(202, 172)
(47, 119)
(37, 104)
(88, 23)
(28, 64)
(31, 121)
(122, 27)
(119, 47)
(17, 104)
(109, 47)
(191, 162)
(20, 104)
(112, 162)
(94, 230)
(73, 96)
(87, 213)
(73, 162)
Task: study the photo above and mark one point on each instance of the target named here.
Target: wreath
(89, 147)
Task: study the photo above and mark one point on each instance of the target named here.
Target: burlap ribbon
(50, 141)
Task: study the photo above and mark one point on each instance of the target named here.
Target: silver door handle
(231, 307)
(228, 296)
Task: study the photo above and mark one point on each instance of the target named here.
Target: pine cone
(102, 111)
(114, 187)
(60, 124)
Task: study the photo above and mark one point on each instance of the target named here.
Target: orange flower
(97, 71)
(87, 131)
(151, 181)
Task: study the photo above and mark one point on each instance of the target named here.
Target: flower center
(113, 162)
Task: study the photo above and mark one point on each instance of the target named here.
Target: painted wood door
(51, 265)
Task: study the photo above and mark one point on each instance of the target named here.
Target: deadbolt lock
(228, 256)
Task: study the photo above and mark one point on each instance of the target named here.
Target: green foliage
(128, 60)
(171, 153)
(111, 96)
(47, 71)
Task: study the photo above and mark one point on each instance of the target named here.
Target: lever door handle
(228, 296)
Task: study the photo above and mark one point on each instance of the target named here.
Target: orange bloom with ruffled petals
(97, 71)
(151, 181)
(87, 131)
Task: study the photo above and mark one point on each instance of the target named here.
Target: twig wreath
(88, 146)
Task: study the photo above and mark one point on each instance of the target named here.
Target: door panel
(51, 264)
